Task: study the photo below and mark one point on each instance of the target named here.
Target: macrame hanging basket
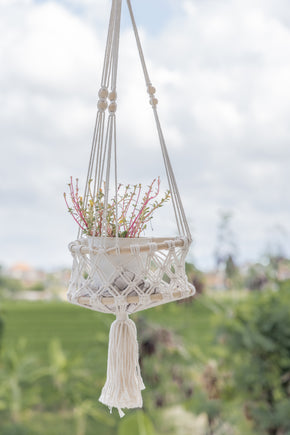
(125, 275)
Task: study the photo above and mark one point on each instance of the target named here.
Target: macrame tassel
(124, 382)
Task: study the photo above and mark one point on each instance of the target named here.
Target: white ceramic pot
(106, 264)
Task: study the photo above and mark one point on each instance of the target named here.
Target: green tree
(1, 329)
(226, 251)
(257, 338)
(257, 277)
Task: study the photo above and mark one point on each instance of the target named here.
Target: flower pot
(130, 272)
(113, 267)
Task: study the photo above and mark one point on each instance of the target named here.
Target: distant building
(283, 272)
(38, 284)
(26, 273)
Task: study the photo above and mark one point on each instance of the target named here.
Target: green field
(83, 336)
(54, 357)
(81, 330)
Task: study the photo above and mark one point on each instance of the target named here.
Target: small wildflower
(135, 209)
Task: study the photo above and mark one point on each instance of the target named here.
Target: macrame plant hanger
(125, 275)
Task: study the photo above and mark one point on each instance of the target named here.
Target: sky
(222, 73)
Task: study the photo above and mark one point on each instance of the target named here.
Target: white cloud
(222, 75)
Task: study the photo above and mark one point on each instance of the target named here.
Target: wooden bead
(112, 95)
(154, 101)
(112, 107)
(102, 105)
(103, 93)
(151, 90)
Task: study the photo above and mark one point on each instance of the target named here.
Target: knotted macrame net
(125, 275)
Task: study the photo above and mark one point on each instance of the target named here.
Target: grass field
(83, 338)
(80, 329)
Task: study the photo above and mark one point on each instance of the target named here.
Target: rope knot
(144, 299)
(122, 316)
(135, 249)
(170, 244)
(152, 247)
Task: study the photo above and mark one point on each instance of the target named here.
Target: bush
(38, 287)
(257, 338)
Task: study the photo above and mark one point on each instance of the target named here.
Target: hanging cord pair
(104, 145)
(104, 142)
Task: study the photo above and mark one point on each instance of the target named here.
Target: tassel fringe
(124, 382)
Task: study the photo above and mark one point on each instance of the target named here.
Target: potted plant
(130, 210)
(106, 225)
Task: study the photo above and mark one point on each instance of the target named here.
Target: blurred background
(215, 365)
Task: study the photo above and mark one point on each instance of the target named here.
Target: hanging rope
(180, 217)
(104, 145)
(125, 275)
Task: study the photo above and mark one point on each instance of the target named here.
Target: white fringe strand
(124, 382)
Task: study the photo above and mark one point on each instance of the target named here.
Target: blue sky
(222, 73)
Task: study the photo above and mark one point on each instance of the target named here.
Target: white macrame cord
(123, 275)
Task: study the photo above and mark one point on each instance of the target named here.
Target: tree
(277, 240)
(257, 338)
(226, 250)
(276, 250)
(257, 277)
(1, 329)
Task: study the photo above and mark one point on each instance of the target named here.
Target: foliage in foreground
(52, 378)
(257, 342)
(51, 384)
